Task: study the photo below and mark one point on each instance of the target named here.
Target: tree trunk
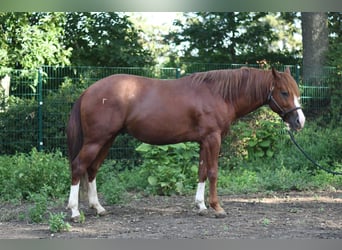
(315, 45)
(4, 91)
(5, 85)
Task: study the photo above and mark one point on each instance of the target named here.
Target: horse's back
(125, 101)
(152, 110)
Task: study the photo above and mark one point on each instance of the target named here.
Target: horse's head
(284, 99)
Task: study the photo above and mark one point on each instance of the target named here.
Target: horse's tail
(75, 141)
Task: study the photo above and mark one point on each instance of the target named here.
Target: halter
(283, 112)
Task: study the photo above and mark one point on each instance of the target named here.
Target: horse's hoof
(220, 214)
(75, 219)
(102, 213)
(203, 212)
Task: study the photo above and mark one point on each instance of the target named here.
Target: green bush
(169, 169)
(256, 136)
(109, 183)
(23, 175)
(322, 144)
(38, 210)
(18, 127)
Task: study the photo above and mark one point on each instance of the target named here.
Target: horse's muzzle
(295, 119)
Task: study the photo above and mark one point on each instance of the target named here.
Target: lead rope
(309, 158)
(282, 115)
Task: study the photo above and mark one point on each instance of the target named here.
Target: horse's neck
(242, 110)
(244, 106)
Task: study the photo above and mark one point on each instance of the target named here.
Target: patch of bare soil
(259, 216)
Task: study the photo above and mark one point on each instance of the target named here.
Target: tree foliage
(29, 40)
(232, 37)
(334, 55)
(104, 39)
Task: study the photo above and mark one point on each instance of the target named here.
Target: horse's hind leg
(92, 170)
(73, 201)
(79, 166)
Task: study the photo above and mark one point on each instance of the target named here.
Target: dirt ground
(303, 215)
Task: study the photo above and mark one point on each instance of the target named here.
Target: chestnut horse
(199, 107)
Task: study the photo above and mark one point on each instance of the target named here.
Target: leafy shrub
(18, 127)
(38, 210)
(323, 144)
(258, 136)
(109, 184)
(23, 175)
(169, 169)
(113, 191)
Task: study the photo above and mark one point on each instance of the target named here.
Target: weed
(266, 222)
(38, 211)
(82, 217)
(57, 223)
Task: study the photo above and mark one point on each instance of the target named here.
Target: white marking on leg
(93, 199)
(300, 113)
(199, 199)
(73, 200)
(103, 100)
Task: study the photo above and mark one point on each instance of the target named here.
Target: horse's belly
(162, 131)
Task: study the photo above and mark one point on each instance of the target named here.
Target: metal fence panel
(19, 113)
(43, 100)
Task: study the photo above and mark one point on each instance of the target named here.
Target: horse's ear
(275, 73)
(287, 70)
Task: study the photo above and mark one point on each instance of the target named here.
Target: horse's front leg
(202, 177)
(209, 152)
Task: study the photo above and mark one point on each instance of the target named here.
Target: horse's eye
(284, 93)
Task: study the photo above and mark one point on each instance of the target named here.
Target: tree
(315, 45)
(151, 36)
(29, 40)
(232, 37)
(334, 56)
(104, 39)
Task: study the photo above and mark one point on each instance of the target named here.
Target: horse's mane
(232, 83)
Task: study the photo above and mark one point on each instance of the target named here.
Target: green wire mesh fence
(35, 111)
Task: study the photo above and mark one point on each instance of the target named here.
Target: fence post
(178, 72)
(40, 110)
(297, 73)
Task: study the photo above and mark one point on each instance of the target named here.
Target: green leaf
(164, 184)
(265, 143)
(143, 147)
(179, 187)
(269, 153)
(252, 143)
(164, 147)
(259, 154)
(152, 180)
(194, 168)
